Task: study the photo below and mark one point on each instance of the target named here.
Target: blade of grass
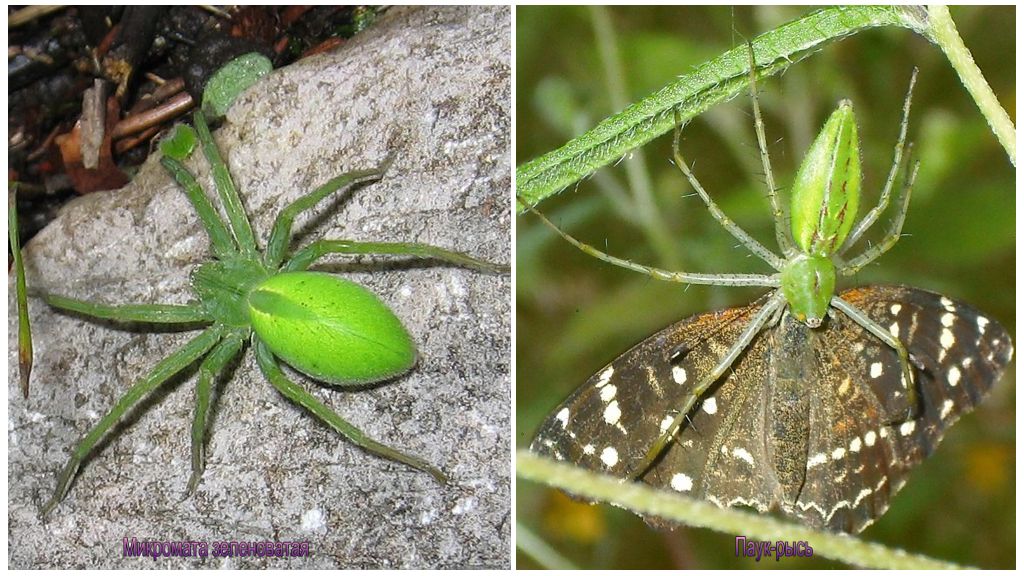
(24, 329)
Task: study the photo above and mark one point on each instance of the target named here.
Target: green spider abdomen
(330, 328)
(826, 190)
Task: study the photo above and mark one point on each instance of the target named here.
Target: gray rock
(431, 84)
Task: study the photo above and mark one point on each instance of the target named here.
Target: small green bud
(826, 191)
(330, 328)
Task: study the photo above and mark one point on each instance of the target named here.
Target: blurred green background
(575, 313)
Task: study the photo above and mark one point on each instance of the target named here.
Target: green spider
(326, 327)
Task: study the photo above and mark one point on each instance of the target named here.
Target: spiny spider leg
(892, 341)
(293, 392)
(772, 280)
(163, 371)
(304, 258)
(883, 200)
(212, 365)
(753, 245)
(226, 189)
(151, 313)
(766, 313)
(282, 230)
(222, 242)
(892, 235)
(782, 234)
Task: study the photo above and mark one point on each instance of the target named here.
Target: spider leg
(282, 230)
(883, 200)
(737, 232)
(661, 274)
(784, 239)
(893, 342)
(296, 394)
(776, 303)
(892, 236)
(304, 258)
(226, 189)
(215, 361)
(220, 239)
(150, 313)
(160, 373)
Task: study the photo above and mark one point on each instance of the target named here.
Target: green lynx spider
(824, 205)
(225, 288)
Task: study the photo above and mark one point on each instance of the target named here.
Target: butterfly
(809, 421)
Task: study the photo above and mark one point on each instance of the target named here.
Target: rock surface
(432, 85)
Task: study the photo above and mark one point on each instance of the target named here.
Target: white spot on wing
(947, 304)
(607, 393)
(869, 438)
(982, 323)
(605, 376)
(876, 369)
(947, 340)
(947, 407)
(954, 376)
(681, 482)
(907, 428)
(679, 374)
(612, 412)
(589, 450)
(710, 405)
(894, 329)
(838, 453)
(610, 456)
(563, 417)
(666, 422)
(855, 445)
(947, 319)
(895, 309)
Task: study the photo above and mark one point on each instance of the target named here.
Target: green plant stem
(943, 32)
(648, 501)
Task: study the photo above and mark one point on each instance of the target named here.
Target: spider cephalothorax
(327, 327)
